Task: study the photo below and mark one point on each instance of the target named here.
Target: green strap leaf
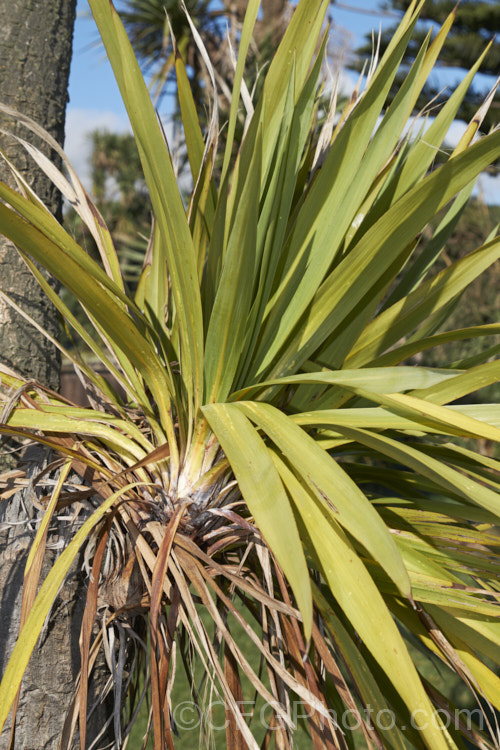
(265, 496)
(167, 204)
(354, 277)
(110, 315)
(341, 497)
(407, 313)
(438, 472)
(228, 322)
(357, 595)
(377, 379)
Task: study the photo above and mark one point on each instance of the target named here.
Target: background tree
(475, 23)
(35, 53)
(119, 188)
(480, 302)
(147, 22)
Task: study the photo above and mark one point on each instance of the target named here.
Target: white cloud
(455, 132)
(488, 189)
(452, 137)
(81, 122)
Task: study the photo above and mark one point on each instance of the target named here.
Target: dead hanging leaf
(87, 625)
(234, 738)
(125, 591)
(160, 656)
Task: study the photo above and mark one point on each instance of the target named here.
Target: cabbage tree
(275, 475)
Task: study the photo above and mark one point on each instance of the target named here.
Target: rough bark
(49, 682)
(35, 53)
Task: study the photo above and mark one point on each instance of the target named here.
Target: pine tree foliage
(476, 25)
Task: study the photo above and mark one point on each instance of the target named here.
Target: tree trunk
(49, 683)
(35, 53)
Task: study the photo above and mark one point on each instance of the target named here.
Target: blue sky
(91, 85)
(95, 100)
